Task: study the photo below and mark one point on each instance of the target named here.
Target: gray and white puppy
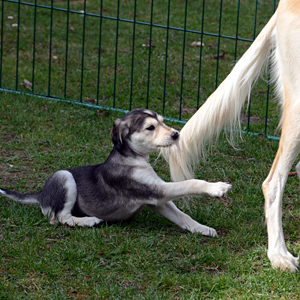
(124, 184)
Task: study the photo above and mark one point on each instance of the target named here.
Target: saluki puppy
(223, 107)
(124, 184)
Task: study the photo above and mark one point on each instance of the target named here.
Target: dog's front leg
(193, 187)
(172, 213)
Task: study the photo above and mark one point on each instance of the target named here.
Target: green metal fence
(165, 55)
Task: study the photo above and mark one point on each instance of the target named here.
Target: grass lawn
(148, 257)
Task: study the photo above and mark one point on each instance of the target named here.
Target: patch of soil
(252, 120)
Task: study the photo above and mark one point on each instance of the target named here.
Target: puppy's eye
(150, 128)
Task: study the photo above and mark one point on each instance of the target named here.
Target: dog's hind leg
(172, 213)
(58, 199)
(273, 188)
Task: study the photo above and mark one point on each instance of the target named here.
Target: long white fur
(223, 107)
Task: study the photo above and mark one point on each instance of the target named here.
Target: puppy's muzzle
(175, 135)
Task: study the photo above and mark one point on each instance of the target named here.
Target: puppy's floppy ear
(119, 131)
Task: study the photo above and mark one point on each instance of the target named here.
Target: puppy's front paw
(218, 189)
(92, 221)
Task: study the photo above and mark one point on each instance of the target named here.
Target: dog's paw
(284, 262)
(85, 221)
(218, 189)
(205, 230)
(91, 221)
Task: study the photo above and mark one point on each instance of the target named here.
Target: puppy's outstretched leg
(172, 213)
(193, 187)
(58, 198)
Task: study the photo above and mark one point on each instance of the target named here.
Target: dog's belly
(123, 213)
(111, 211)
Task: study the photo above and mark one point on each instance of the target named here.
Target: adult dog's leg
(273, 188)
(172, 213)
(288, 65)
(58, 198)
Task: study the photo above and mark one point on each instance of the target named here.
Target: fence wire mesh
(165, 55)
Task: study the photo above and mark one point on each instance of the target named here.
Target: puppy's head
(142, 131)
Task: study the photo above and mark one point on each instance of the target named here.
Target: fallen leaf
(221, 55)
(196, 44)
(28, 84)
(148, 45)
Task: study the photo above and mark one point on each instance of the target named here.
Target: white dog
(223, 107)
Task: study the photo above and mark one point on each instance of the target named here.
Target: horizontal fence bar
(108, 108)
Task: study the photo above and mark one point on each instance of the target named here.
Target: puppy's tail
(30, 199)
(222, 108)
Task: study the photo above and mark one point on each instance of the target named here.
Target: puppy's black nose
(175, 135)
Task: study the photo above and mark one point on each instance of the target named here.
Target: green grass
(116, 66)
(148, 257)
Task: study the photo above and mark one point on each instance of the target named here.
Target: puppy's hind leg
(58, 199)
(172, 213)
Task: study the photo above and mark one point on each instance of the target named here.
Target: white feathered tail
(222, 108)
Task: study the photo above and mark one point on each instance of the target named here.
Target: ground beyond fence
(168, 56)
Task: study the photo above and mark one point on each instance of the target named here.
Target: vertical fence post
(166, 57)
(149, 54)
(50, 50)
(18, 44)
(83, 48)
(254, 34)
(1, 53)
(183, 55)
(200, 55)
(99, 50)
(116, 54)
(132, 55)
(237, 30)
(219, 42)
(33, 47)
(67, 49)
